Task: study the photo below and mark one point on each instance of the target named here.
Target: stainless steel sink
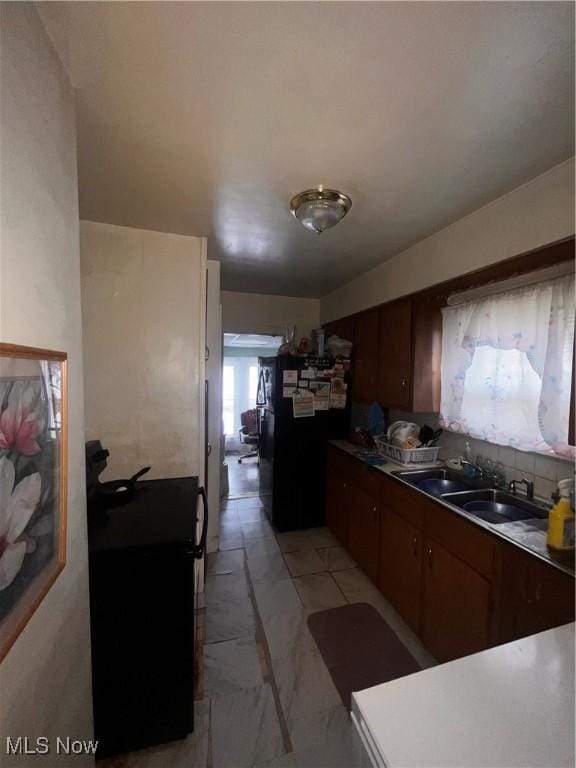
(494, 506)
(436, 481)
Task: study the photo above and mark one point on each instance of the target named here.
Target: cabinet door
(337, 504)
(363, 530)
(366, 357)
(400, 565)
(345, 328)
(395, 355)
(535, 596)
(456, 605)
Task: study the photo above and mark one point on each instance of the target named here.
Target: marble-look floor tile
(304, 685)
(293, 541)
(250, 502)
(268, 567)
(231, 666)
(229, 620)
(322, 537)
(265, 546)
(358, 588)
(230, 541)
(257, 530)
(224, 587)
(319, 591)
(274, 597)
(225, 561)
(304, 562)
(326, 740)
(287, 634)
(335, 559)
(287, 760)
(252, 515)
(191, 752)
(245, 729)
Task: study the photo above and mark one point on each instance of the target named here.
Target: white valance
(507, 367)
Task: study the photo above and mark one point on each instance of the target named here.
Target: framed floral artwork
(33, 482)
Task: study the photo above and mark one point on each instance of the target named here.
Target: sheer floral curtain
(507, 367)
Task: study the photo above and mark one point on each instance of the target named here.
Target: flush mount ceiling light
(320, 209)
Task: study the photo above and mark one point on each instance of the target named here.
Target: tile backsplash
(543, 471)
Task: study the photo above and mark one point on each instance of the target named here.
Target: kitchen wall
(539, 212)
(143, 317)
(269, 315)
(45, 680)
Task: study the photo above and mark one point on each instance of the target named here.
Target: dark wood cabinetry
(336, 499)
(461, 589)
(456, 605)
(353, 510)
(535, 597)
(401, 565)
(344, 327)
(395, 355)
(363, 530)
(366, 357)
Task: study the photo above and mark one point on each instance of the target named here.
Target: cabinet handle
(415, 545)
(429, 556)
(343, 485)
(403, 384)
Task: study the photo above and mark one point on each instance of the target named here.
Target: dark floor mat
(359, 648)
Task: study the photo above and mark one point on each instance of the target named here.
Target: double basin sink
(489, 504)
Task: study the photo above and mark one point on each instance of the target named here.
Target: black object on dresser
(142, 599)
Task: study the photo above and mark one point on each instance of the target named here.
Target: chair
(248, 433)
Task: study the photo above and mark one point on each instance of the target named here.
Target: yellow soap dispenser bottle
(561, 520)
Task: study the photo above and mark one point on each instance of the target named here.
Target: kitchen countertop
(508, 706)
(530, 535)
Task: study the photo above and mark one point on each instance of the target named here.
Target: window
(252, 385)
(228, 399)
(507, 367)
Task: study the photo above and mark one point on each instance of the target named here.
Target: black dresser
(142, 599)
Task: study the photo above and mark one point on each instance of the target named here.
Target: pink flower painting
(20, 423)
(32, 482)
(17, 505)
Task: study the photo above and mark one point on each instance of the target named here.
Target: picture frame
(33, 481)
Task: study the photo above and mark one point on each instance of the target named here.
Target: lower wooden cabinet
(337, 504)
(363, 529)
(400, 570)
(459, 588)
(535, 596)
(456, 605)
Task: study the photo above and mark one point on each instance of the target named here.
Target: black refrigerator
(293, 450)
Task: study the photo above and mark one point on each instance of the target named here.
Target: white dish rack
(407, 455)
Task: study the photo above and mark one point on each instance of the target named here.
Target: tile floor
(265, 697)
(243, 479)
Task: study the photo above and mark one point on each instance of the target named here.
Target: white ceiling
(205, 118)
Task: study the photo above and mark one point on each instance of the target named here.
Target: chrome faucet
(529, 487)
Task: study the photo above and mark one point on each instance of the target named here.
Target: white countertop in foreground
(509, 706)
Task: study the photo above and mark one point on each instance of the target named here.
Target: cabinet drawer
(403, 501)
(473, 545)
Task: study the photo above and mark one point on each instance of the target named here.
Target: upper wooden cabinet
(395, 355)
(366, 357)
(344, 327)
(409, 353)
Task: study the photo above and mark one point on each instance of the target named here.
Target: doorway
(239, 418)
